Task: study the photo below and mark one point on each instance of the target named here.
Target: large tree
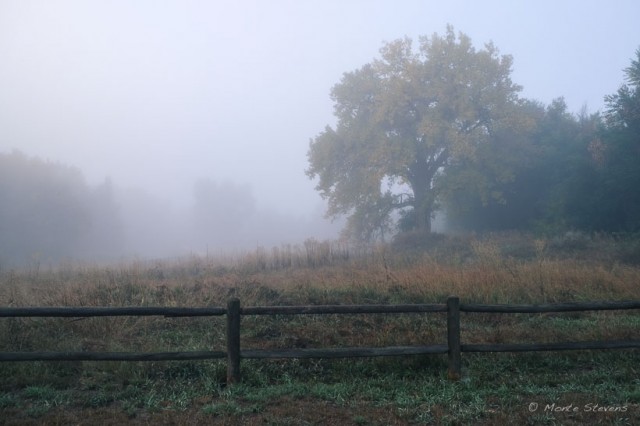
(402, 120)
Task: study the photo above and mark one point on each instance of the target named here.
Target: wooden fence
(234, 353)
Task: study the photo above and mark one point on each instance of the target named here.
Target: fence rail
(234, 353)
(342, 309)
(551, 307)
(111, 356)
(111, 312)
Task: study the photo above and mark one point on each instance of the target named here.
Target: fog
(167, 98)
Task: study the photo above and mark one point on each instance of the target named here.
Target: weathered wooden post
(453, 337)
(233, 341)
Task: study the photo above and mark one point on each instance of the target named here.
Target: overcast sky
(156, 94)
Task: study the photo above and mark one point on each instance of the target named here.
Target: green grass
(414, 389)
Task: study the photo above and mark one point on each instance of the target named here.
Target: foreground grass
(595, 387)
(497, 389)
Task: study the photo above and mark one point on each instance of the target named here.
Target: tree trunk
(423, 208)
(423, 221)
(420, 178)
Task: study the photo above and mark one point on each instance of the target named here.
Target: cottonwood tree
(403, 119)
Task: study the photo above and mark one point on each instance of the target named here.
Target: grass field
(593, 387)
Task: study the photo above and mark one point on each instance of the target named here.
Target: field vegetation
(595, 387)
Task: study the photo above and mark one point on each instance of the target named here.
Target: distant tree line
(581, 172)
(48, 212)
(443, 129)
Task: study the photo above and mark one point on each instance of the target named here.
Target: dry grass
(477, 272)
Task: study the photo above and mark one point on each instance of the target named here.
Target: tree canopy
(403, 120)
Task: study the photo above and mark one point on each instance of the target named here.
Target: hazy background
(160, 95)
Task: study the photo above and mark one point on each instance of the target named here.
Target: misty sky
(157, 94)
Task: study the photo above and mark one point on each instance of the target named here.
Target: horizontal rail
(311, 309)
(552, 307)
(344, 352)
(110, 356)
(560, 346)
(342, 309)
(111, 312)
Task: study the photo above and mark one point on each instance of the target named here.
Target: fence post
(233, 341)
(453, 337)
